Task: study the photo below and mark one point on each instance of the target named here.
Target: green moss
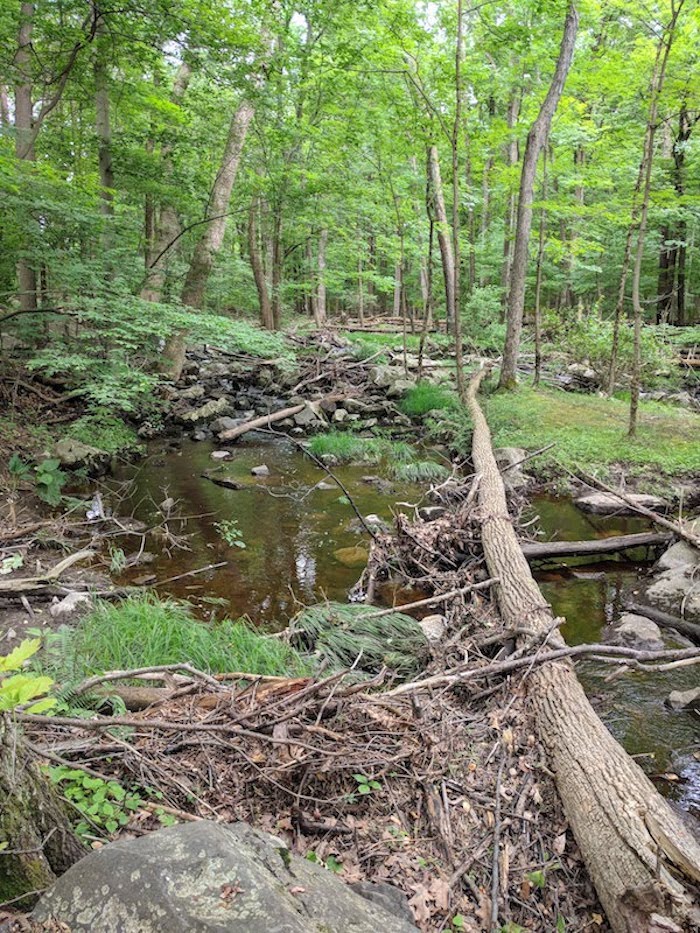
(100, 428)
(591, 432)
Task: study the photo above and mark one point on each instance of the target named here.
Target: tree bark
(538, 274)
(629, 836)
(443, 232)
(257, 266)
(277, 268)
(320, 313)
(512, 156)
(103, 126)
(457, 286)
(40, 841)
(541, 550)
(536, 139)
(24, 140)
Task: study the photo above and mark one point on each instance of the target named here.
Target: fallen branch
(539, 550)
(690, 629)
(92, 682)
(16, 586)
(431, 601)
(264, 421)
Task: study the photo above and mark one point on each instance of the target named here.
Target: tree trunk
(629, 836)
(103, 127)
(512, 156)
(24, 143)
(33, 823)
(277, 268)
(457, 286)
(443, 232)
(663, 52)
(538, 275)
(320, 310)
(536, 139)
(4, 107)
(257, 266)
(162, 233)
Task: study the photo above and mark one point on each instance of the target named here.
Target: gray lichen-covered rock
(210, 409)
(681, 554)
(677, 591)
(604, 503)
(74, 454)
(638, 632)
(684, 699)
(508, 460)
(204, 877)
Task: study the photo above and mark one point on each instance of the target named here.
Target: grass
(426, 397)
(103, 430)
(591, 432)
(348, 447)
(143, 631)
(420, 471)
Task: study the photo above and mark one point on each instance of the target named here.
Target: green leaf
(364, 789)
(16, 658)
(536, 878)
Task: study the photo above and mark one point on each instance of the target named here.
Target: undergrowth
(345, 446)
(100, 428)
(144, 631)
(426, 397)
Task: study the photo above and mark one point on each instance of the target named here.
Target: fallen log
(536, 550)
(264, 421)
(665, 619)
(629, 836)
(14, 586)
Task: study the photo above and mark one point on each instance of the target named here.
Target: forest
(350, 465)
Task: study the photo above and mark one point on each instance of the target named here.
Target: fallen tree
(640, 853)
(539, 550)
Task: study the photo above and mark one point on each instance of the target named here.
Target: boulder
(262, 470)
(74, 454)
(676, 591)
(400, 387)
(430, 513)
(352, 556)
(584, 375)
(340, 415)
(210, 409)
(684, 699)
(434, 627)
(382, 375)
(208, 877)
(604, 503)
(221, 455)
(309, 415)
(225, 423)
(680, 554)
(638, 632)
(70, 607)
(191, 393)
(507, 458)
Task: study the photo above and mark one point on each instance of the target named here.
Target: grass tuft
(426, 397)
(346, 447)
(143, 631)
(421, 471)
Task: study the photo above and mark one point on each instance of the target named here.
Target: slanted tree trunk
(40, 843)
(512, 157)
(629, 835)
(536, 139)
(657, 84)
(266, 317)
(443, 232)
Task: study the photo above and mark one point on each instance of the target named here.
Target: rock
(352, 556)
(201, 434)
(604, 503)
(325, 486)
(635, 631)
(309, 415)
(224, 423)
(74, 454)
(367, 424)
(434, 627)
(328, 406)
(676, 591)
(167, 505)
(262, 470)
(208, 877)
(209, 410)
(356, 406)
(221, 455)
(680, 554)
(400, 387)
(507, 458)
(71, 606)
(193, 392)
(340, 415)
(429, 513)
(382, 376)
(584, 375)
(684, 699)
(386, 896)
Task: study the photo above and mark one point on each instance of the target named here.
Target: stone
(400, 387)
(309, 415)
(676, 591)
(201, 434)
(635, 631)
(387, 896)
(507, 458)
(584, 374)
(209, 410)
(352, 556)
(430, 513)
(356, 406)
(221, 455)
(262, 470)
(74, 454)
(680, 554)
(325, 486)
(684, 699)
(382, 376)
(206, 877)
(434, 627)
(192, 392)
(225, 423)
(167, 505)
(340, 415)
(604, 503)
(70, 607)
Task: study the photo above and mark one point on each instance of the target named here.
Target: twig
(138, 671)
(496, 846)
(191, 573)
(431, 601)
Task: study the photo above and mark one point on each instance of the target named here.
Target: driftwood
(639, 852)
(539, 550)
(665, 619)
(264, 421)
(14, 586)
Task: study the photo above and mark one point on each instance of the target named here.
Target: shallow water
(292, 531)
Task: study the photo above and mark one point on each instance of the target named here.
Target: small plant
(422, 471)
(366, 785)
(13, 562)
(117, 559)
(20, 689)
(50, 479)
(230, 532)
(330, 864)
(18, 470)
(426, 397)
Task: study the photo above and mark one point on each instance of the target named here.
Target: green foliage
(49, 481)
(332, 864)
(20, 689)
(101, 428)
(144, 631)
(426, 397)
(345, 447)
(421, 471)
(230, 533)
(481, 320)
(105, 805)
(590, 340)
(18, 470)
(366, 785)
(345, 635)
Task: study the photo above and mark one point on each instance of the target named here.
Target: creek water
(303, 543)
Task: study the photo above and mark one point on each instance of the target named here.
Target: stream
(303, 544)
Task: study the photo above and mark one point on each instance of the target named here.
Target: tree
(536, 139)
